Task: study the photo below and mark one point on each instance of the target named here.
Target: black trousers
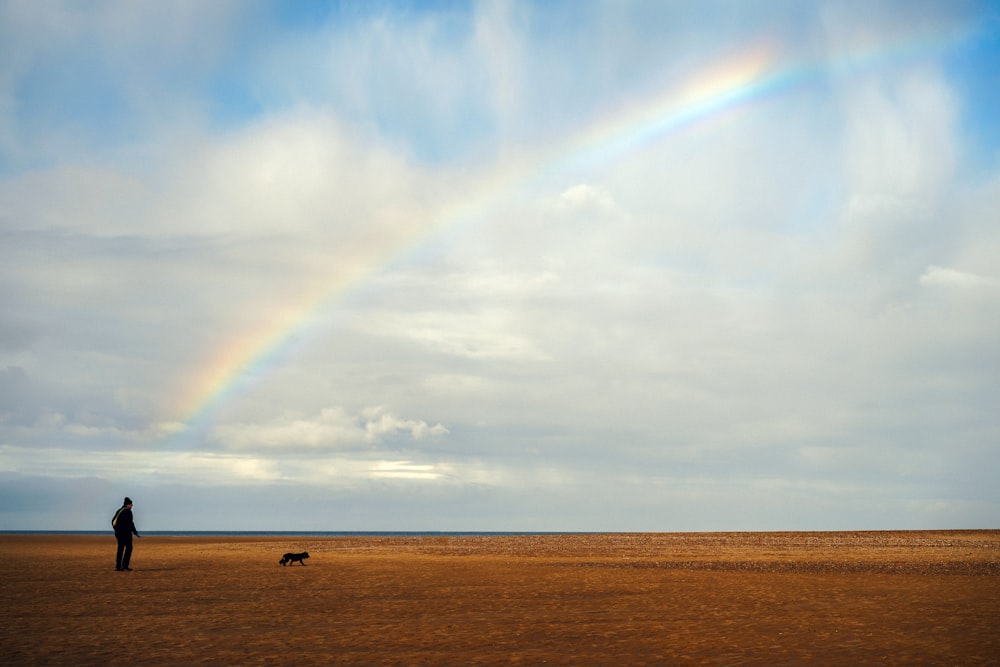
(124, 555)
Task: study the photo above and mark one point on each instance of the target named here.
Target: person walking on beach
(124, 530)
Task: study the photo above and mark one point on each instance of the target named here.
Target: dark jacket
(123, 523)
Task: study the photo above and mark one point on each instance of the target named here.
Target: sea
(296, 533)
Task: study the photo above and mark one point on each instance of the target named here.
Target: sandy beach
(859, 598)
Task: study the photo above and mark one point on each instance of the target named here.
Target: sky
(500, 266)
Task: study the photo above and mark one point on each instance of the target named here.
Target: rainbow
(753, 75)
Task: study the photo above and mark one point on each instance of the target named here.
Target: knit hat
(128, 501)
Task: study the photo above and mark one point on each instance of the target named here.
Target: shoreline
(494, 533)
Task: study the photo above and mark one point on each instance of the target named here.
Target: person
(124, 527)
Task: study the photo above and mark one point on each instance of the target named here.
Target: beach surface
(824, 598)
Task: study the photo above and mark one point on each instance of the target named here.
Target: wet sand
(864, 598)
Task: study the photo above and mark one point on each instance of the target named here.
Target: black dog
(291, 558)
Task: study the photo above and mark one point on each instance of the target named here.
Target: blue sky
(500, 265)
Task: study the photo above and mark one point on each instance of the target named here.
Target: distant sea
(293, 533)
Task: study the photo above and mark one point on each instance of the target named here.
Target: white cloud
(499, 45)
(145, 465)
(481, 333)
(379, 424)
(583, 197)
(937, 276)
(407, 470)
(332, 429)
